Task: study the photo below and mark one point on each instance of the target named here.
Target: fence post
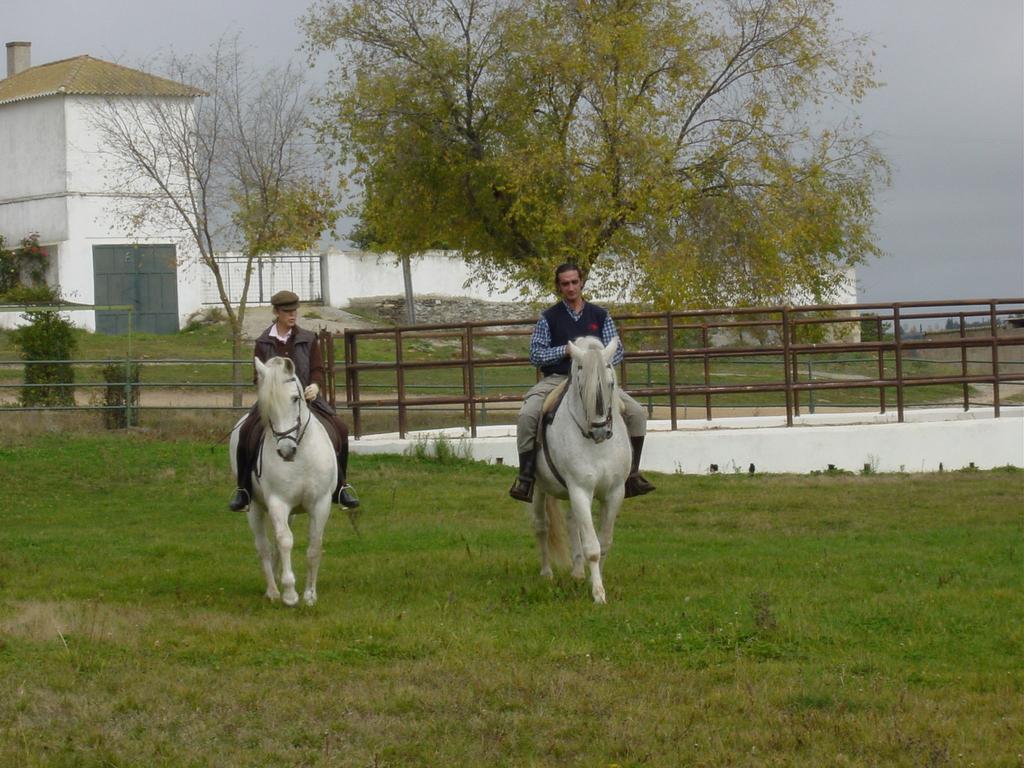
(670, 327)
(128, 377)
(481, 385)
(467, 390)
(810, 392)
(472, 381)
(796, 369)
(994, 324)
(963, 363)
(128, 392)
(707, 371)
(352, 382)
(897, 332)
(650, 398)
(400, 381)
(786, 368)
(879, 331)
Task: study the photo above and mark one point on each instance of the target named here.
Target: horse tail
(558, 537)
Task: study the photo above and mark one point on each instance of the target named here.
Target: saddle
(554, 397)
(336, 430)
(551, 403)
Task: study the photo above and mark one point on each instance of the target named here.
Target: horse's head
(594, 377)
(282, 407)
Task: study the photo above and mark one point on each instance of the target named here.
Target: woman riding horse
(284, 338)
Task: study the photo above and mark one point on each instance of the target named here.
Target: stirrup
(637, 485)
(346, 497)
(522, 489)
(239, 501)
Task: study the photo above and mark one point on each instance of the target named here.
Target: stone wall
(434, 309)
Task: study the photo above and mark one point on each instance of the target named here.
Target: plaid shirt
(542, 353)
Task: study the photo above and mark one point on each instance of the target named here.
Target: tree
(667, 148)
(229, 166)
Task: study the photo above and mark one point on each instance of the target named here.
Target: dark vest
(298, 350)
(564, 329)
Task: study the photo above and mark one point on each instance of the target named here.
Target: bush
(122, 409)
(23, 272)
(30, 294)
(48, 337)
(8, 268)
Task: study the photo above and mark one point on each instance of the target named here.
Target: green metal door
(144, 276)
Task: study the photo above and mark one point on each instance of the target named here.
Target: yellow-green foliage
(664, 147)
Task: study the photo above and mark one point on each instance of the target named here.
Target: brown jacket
(301, 348)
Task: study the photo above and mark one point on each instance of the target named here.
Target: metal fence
(297, 273)
(786, 342)
(682, 365)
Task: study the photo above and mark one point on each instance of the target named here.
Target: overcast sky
(950, 117)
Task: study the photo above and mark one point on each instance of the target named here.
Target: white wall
(931, 437)
(353, 274)
(349, 275)
(32, 157)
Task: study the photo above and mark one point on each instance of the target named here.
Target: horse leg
(278, 513)
(577, 545)
(581, 501)
(257, 519)
(540, 530)
(317, 522)
(609, 511)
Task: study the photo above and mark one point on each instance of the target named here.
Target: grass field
(752, 621)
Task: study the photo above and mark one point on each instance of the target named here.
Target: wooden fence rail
(780, 339)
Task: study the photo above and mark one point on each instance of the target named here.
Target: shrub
(48, 337)
(8, 268)
(121, 397)
(23, 272)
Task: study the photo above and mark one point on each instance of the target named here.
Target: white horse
(296, 469)
(585, 454)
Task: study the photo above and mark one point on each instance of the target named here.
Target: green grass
(753, 621)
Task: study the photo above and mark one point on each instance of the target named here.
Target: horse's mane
(275, 386)
(590, 369)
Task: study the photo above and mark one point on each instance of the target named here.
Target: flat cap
(285, 300)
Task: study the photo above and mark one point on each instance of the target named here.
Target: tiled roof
(84, 75)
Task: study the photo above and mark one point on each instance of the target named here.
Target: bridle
(296, 431)
(606, 423)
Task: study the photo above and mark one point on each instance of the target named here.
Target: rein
(549, 417)
(298, 428)
(606, 423)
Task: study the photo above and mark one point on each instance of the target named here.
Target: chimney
(19, 58)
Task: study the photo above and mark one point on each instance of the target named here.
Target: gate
(143, 276)
(297, 273)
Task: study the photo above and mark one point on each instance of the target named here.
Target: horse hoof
(599, 596)
(309, 598)
(579, 574)
(545, 573)
(272, 596)
(291, 599)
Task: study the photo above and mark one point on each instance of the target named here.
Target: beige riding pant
(533, 404)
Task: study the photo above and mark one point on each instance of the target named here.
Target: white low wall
(929, 438)
(348, 275)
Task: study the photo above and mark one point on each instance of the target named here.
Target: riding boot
(522, 488)
(344, 494)
(637, 484)
(243, 462)
(243, 493)
(239, 501)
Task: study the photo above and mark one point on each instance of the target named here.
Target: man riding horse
(558, 325)
(284, 338)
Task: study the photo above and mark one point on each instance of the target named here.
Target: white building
(54, 182)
